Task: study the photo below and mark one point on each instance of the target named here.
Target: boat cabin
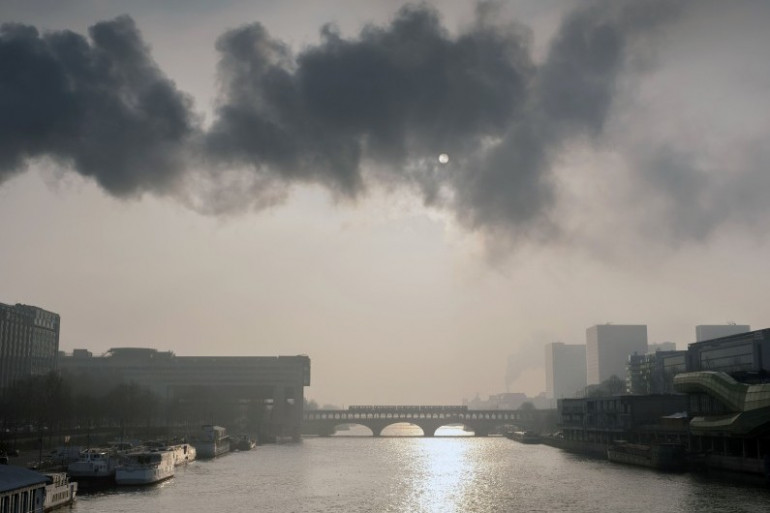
(21, 490)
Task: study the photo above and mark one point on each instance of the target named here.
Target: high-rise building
(608, 347)
(711, 331)
(565, 369)
(29, 342)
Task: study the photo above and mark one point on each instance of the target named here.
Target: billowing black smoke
(392, 99)
(394, 95)
(103, 107)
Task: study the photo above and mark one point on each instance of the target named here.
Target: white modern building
(565, 369)
(712, 331)
(608, 347)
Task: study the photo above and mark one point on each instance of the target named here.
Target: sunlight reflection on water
(422, 475)
(447, 466)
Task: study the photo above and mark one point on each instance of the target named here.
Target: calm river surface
(443, 474)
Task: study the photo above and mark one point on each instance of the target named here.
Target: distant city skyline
(254, 178)
(565, 366)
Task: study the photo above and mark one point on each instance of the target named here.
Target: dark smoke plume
(391, 99)
(102, 107)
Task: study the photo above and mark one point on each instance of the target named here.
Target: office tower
(608, 347)
(565, 369)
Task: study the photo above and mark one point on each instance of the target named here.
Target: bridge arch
(342, 428)
(399, 422)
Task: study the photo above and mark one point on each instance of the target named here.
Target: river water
(415, 475)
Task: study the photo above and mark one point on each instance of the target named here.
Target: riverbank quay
(725, 468)
(594, 450)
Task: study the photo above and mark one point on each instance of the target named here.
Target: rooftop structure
(661, 346)
(743, 353)
(21, 489)
(710, 331)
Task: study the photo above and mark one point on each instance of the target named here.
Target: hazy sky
(261, 178)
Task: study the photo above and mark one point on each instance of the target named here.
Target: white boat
(525, 437)
(59, 491)
(183, 453)
(93, 466)
(245, 443)
(212, 441)
(144, 468)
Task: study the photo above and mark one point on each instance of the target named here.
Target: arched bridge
(428, 418)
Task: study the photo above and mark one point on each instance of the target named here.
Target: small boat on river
(94, 467)
(59, 491)
(212, 441)
(183, 452)
(245, 444)
(145, 468)
(524, 437)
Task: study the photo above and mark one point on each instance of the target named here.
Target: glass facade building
(741, 355)
(29, 342)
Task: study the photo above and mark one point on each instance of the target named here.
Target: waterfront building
(29, 342)
(608, 347)
(709, 331)
(728, 401)
(720, 408)
(565, 370)
(653, 373)
(201, 383)
(594, 422)
(729, 421)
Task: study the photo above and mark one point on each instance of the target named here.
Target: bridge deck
(428, 418)
(349, 415)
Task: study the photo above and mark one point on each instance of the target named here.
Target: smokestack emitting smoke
(395, 97)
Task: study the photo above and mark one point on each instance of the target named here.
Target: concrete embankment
(586, 448)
